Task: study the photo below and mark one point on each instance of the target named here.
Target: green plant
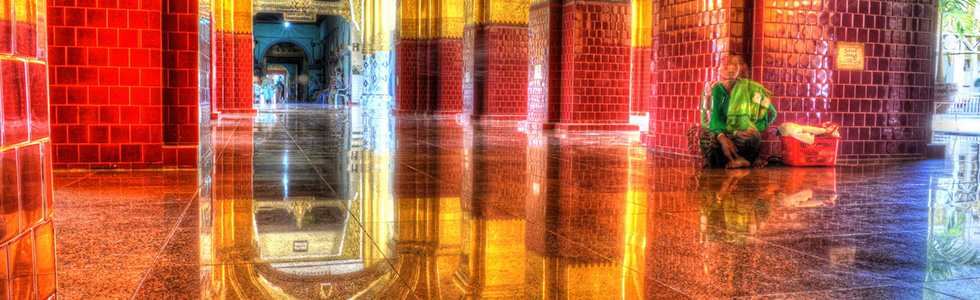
(948, 252)
(955, 16)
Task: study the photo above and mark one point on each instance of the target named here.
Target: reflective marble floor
(307, 202)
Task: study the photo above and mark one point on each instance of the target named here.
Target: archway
(316, 52)
(287, 63)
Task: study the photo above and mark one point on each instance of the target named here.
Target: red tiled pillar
(448, 53)
(107, 87)
(26, 230)
(180, 91)
(687, 56)
(232, 44)
(640, 84)
(406, 69)
(495, 61)
(885, 108)
(593, 77)
(595, 70)
(429, 57)
(545, 63)
(407, 55)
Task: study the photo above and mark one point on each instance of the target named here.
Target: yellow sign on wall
(850, 56)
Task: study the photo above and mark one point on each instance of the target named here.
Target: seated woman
(740, 110)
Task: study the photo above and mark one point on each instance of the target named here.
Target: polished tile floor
(307, 202)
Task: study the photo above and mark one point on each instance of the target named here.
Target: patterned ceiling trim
(204, 8)
(341, 8)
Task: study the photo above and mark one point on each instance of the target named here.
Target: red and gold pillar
(544, 59)
(640, 74)
(429, 57)
(583, 81)
(495, 59)
(447, 54)
(687, 56)
(232, 56)
(26, 230)
(406, 56)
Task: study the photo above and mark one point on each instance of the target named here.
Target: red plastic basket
(823, 151)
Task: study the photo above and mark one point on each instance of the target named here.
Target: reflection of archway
(294, 61)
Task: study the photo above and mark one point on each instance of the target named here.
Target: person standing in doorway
(280, 91)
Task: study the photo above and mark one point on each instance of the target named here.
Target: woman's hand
(728, 147)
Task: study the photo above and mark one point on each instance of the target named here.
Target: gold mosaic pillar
(642, 67)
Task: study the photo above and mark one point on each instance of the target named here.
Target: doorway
(310, 58)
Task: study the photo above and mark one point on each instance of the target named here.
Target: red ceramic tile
(25, 29)
(21, 260)
(9, 195)
(31, 187)
(4, 272)
(45, 260)
(6, 27)
(46, 159)
(38, 100)
(131, 153)
(109, 153)
(14, 100)
(501, 92)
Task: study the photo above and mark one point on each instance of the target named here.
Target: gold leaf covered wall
(430, 19)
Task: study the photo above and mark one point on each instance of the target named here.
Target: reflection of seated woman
(732, 206)
(740, 110)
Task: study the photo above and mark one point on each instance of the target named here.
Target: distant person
(280, 92)
(740, 110)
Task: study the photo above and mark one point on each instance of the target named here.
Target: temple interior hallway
(310, 202)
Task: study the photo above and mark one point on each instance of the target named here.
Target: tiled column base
(595, 71)
(544, 62)
(495, 73)
(426, 73)
(429, 77)
(448, 54)
(180, 156)
(233, 74)
(581, 83)
(640, 80)
(243, 75)
(406, 80)
(684, 66)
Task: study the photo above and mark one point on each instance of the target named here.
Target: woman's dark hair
(744, 57)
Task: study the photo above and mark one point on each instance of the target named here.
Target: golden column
(642, 67)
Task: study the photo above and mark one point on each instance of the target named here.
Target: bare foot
(738, 173)
(738, 163)
(759, 163)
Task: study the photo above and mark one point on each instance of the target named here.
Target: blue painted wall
(331, 33)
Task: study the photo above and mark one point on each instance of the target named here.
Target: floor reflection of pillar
(584, 199)
(231, 237)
